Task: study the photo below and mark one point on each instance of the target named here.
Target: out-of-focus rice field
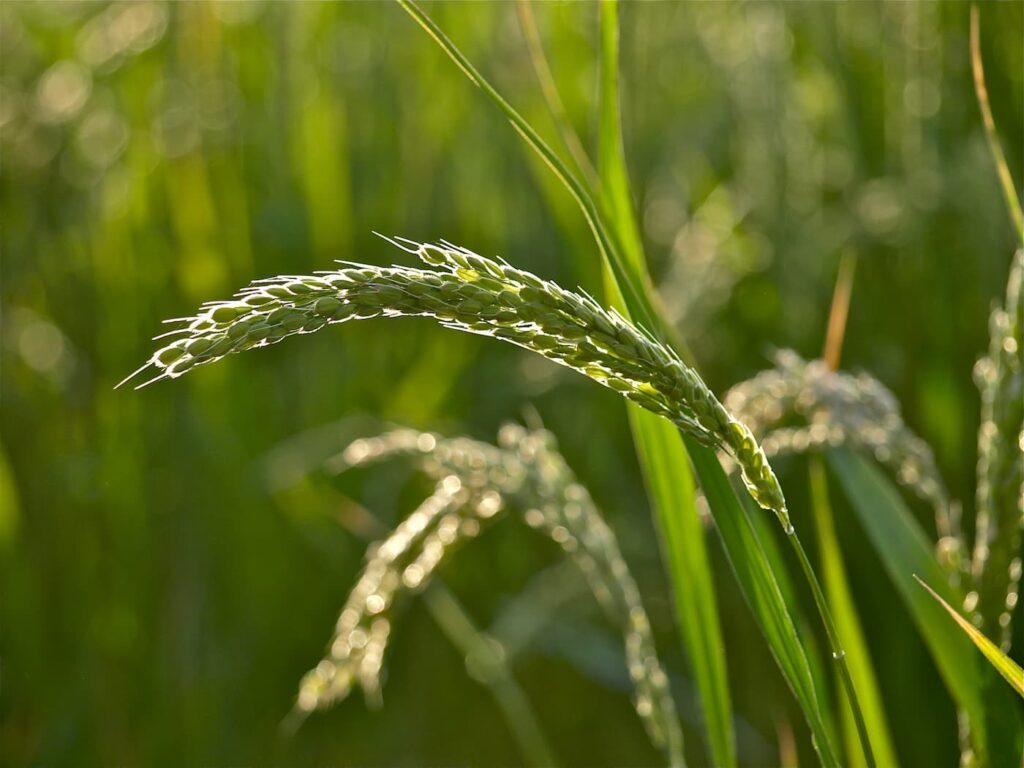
(173, 559)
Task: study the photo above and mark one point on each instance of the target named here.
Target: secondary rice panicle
(404, 561)
(477, 482)
(837, 408)
(996, 567)
(478, 295)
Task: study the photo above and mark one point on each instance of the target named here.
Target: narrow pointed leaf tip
(1003, 664)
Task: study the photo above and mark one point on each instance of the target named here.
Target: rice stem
(838, 654)
(454, 621)
(840, 310)
(981, 91)
(839, 314)
(636, 298)
(556, 107)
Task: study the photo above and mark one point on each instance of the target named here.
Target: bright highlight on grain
(478, 295)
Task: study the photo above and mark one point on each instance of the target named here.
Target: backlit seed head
(277, 315)
(326, 306)
(838, 408)
(433, 255)
(475, 294)
(168, 355)
(198, 346)
(292, 320)
(220, 347)
(258, 332)
(238, 330)
(180, 366)
(225, 313)
(530, 295)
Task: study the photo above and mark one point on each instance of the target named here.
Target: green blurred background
(168, 570)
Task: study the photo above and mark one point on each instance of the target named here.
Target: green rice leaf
(906, 552)
(663, 458)
(766, 532)
(616, 197)
(1002, 663)
(761, 590)
(670, 487)
(847, 622)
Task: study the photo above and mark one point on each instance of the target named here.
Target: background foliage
(165, 580)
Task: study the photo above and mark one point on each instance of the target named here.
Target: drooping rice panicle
(996, 566)
(486, 297)
(477, 481)
(835, 408)
(404, 561)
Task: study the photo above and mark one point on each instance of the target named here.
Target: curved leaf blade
(1002, 663)
(666, 470)
(847, 622)
(996, 728)
(761, 590)
(663, 458)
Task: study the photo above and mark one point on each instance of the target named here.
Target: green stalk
(981, 91)
(838, 654)
(635, 298)
(556, 108)
(755, 573)
(846, 618)
(491, 670)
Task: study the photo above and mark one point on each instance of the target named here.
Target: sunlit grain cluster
(476, 482)
(800, 406)
(490, 298)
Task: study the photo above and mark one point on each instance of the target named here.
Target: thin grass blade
(556, 107)
(996, 726)
(615, 188)
(841, 601)
(761, 590)
(1002, 663)
(766, 536)
(991, 135)
(815, 658)
(670, 487)
(660, 448)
